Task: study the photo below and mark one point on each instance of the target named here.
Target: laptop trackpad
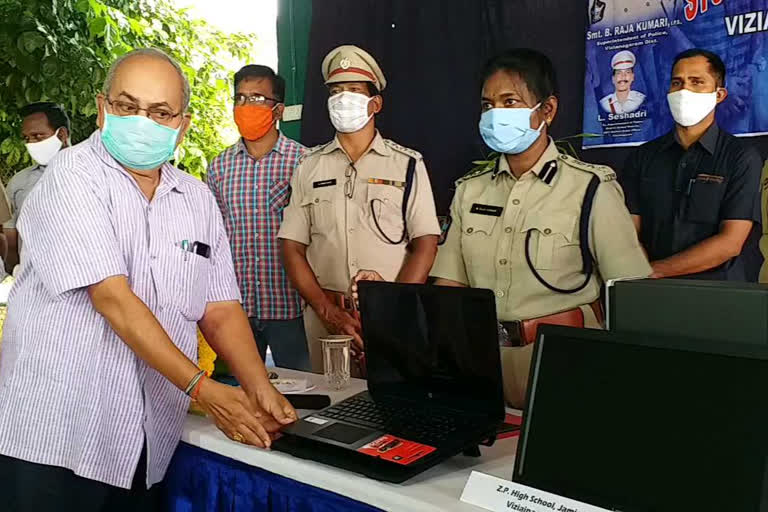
(342, 433)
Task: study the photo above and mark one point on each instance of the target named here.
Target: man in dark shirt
(694, 193)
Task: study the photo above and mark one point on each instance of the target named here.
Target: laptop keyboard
(401, 420)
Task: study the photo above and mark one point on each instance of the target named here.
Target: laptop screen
(432, 344)
(633, 423)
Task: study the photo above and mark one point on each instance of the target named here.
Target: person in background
(359, 202)
(763, 241)
(541, 229)
(45, 129)
(252, 185)
(125, 257)
(623, 100)
(694, 193)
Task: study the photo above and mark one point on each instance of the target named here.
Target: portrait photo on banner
(630, 48)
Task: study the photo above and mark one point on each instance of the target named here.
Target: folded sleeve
(613, 237)
(296, 223)
(421, 215)
(223, 281)
(69, 238)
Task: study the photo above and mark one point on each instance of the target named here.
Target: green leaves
(83, 6)
(6, 146)
(13, 157)
(11, 151)
(97, 27)
(60, 50)
(30, 41)
(565, 145)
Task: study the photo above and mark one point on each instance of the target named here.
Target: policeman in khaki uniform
(346, 211)
(516, 222)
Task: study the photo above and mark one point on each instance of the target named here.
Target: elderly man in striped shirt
(252, 184)
(124, 257)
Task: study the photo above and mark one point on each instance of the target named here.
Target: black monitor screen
(616, 421)
(434, 344)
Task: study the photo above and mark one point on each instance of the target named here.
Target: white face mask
(42, 152)
(689, 108)
(349, 111)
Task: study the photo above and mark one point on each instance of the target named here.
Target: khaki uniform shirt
(493, 212)
(341, 232)
(612, 105)
(764, 237)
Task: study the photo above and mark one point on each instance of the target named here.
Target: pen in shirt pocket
(690, 186)
(198, 248)
(184, 246)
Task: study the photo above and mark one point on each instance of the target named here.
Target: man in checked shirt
(251, 183)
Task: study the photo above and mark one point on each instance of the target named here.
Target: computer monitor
(709, 310)
(639, 424)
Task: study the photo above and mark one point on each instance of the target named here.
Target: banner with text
(630, 46)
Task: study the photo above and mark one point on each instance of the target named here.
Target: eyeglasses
(255, 99)
(158, 114)
(351, 175)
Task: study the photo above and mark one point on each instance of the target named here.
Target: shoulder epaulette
(603, 172)
(481, 167)
(314, 149)
(311, 151)
(402, 149)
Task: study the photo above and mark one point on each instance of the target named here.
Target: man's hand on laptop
(272, 408)
(235, 415)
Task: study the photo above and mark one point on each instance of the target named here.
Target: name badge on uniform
(486, 209)
(324, 183)
(710, 178)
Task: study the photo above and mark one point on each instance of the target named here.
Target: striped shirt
(252, 195)
(72, 394)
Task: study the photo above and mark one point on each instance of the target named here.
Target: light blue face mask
(138, 142)
(508, 130)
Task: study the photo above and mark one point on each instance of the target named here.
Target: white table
(437, 489)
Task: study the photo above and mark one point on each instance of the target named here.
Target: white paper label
(316, 420)
(292, 113)
(499, 495)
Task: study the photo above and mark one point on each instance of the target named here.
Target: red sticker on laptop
(397, 450)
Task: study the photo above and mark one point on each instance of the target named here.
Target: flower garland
(205, 354)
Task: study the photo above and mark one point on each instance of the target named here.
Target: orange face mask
(253, 121)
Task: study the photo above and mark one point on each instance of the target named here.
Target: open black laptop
(641, 423)
(434, 385)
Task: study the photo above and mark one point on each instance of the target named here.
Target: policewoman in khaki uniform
(763, 278)
(359, 202)
(517, 224)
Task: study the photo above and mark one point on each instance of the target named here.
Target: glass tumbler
(336, 360)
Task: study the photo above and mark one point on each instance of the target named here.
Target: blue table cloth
(203, 481)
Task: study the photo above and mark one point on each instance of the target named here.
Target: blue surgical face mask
(508, 130)
(138, 142)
